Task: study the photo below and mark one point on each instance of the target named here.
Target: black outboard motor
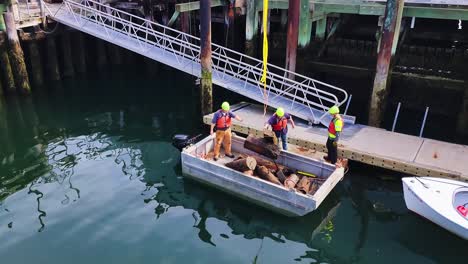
(180, 141)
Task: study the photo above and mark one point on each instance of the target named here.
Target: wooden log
(6, 71)
(304, 185)
(16, 55)
(263, 162)
(314, 186)
(261, 147)
(242, 165)
(249, 172)
(280, 175)
(266, 174)
(291, 181)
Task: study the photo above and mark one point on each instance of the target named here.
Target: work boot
(230, 156)
(326, 158)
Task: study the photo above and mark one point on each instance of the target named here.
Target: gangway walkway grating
(302, 96)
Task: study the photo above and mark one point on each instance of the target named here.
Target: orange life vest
(281, 124)
(331, 128)
(224, 120)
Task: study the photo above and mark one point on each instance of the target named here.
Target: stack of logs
(255, 166)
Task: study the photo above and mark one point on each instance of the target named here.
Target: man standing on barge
(279, 124)
(222, 121)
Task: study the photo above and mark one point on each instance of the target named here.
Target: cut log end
(242, 165)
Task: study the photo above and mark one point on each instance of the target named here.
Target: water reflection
(79, 167)
(42, 214)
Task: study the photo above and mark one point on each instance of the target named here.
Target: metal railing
(24, 10)
(229, 66)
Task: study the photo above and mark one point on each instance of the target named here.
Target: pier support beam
(305, 24)
(389, 39)
(37, 74)
(251, 28)
(53, 71)
(68, 69)
(81, 53)
(321, 29)
(5, 69)
(206, 89)
(292, 36)
(16, 55)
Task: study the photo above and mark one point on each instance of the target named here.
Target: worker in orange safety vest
(222, 122)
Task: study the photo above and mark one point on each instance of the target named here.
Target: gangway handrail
(301, 89)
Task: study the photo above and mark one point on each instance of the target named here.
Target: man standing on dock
(334, 131)
(279, 124)
(222, 121)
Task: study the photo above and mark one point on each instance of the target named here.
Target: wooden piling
(184, 22)
(37, 74)
(292, 36)
(283, 19)
(68, 69)
(101, 56)
(321, 29)
(6, 71)
(16, 55)
(305, 24)
(115, 54)
(206, 91)
(80, 53)
(389, 39)
(152, 67)
(251, 28)
(52, 66)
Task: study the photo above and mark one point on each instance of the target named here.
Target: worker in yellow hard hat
(222, 122)
(334, 131)
(279, 124)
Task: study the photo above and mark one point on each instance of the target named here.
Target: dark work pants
(332, 151)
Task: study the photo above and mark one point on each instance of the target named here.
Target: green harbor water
(88, 175)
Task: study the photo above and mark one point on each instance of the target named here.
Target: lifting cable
(265, 56)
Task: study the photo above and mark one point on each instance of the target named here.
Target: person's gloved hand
(335, 143)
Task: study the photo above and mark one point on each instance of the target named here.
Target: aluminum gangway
(301, 96)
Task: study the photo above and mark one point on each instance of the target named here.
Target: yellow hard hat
(334, 110)
(225, 106)
(280, 112)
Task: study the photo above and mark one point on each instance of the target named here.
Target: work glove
(335, 143)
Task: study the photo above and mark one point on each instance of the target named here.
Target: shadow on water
(93, 157)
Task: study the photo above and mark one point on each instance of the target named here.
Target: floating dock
(369, 145)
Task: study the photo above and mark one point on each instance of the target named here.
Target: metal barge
(197, 165)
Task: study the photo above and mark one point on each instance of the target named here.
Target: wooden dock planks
(373, 146)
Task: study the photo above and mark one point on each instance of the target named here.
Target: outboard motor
(181, 141)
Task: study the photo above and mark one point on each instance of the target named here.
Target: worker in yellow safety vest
(334, 131)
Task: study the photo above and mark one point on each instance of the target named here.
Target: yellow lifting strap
(265, 55)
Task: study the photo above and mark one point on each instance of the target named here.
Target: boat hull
(432, 198)
(255, 190)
